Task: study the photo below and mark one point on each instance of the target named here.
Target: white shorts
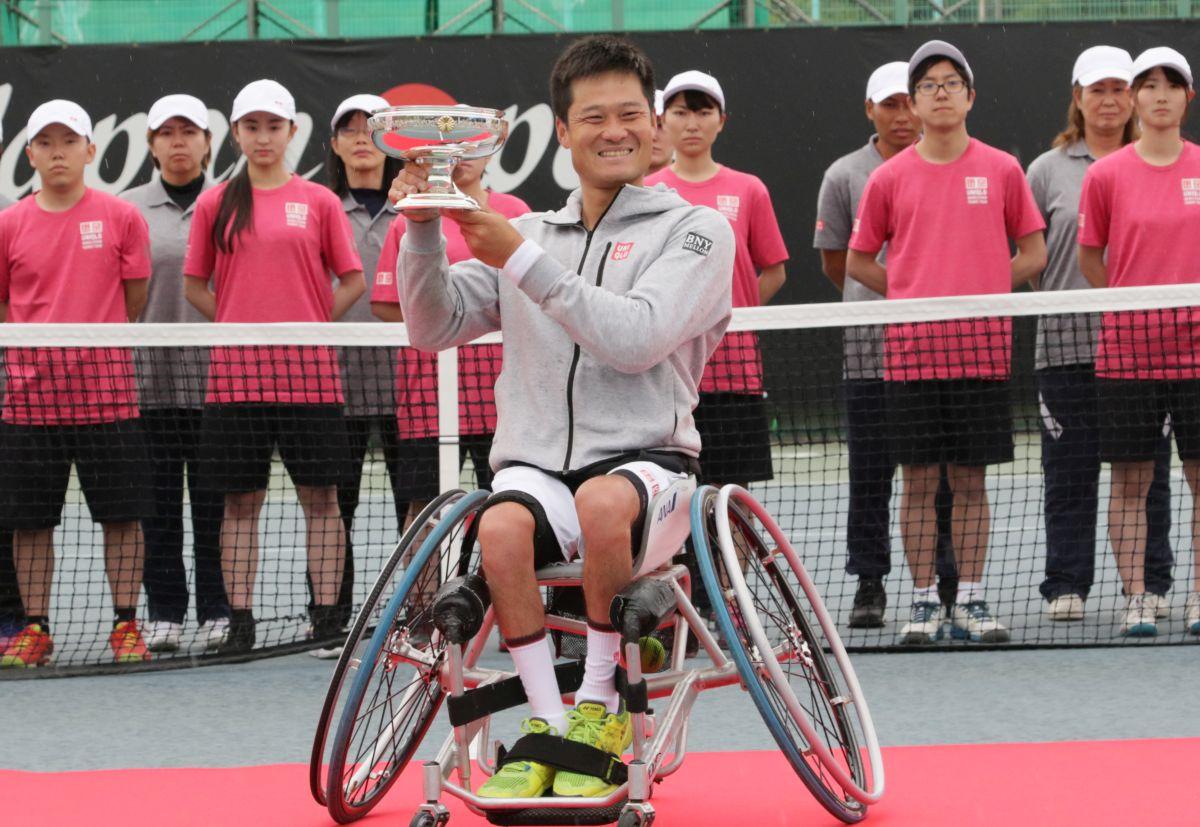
(558, 502)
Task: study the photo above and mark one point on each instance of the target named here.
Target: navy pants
(1071, 464)
(173, 441)
(868, 522)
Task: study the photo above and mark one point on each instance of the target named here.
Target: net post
(447, 393)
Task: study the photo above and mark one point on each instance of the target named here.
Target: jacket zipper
(575, 351)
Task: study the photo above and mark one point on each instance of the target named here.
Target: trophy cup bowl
(442, 136)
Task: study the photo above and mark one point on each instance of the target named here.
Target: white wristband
(518, 263)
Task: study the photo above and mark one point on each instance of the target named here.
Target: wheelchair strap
(506, 694)
(566, 755)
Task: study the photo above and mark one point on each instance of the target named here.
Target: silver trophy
(442, 136)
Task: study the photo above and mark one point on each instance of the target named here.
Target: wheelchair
(416, 643)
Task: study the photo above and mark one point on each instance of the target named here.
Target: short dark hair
(598, 55)
(1174, 77)
(694, 100)
(928, 63)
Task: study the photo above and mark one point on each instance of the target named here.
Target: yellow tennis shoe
(522, 779)
(592, 724)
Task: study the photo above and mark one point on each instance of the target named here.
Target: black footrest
(557, 815)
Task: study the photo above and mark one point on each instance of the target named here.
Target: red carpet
(1014, 785)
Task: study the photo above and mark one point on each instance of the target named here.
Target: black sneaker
(870, 602)
(242, 634)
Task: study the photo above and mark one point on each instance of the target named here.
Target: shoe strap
(569, 756)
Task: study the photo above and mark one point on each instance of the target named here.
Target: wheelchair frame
(659, 742)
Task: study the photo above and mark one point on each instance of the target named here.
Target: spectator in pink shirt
(947, 208)
(267, 240)
(71, 254)
(1139, 224)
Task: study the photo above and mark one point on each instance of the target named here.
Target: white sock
(535, 666)
(929, 595)
(600, 670)
(969, 591)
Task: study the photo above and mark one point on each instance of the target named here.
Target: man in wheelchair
(609, 308)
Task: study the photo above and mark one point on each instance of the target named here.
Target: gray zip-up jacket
(606, 335)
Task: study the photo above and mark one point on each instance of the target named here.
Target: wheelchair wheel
(397, 690)
(778, 632)
(360, 633)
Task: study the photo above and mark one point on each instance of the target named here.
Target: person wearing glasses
(947, 208)
(868, 519)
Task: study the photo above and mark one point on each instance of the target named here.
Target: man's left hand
(488, 234)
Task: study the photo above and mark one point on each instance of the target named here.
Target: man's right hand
(413, 178)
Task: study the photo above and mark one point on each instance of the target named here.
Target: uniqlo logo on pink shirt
(384, 277)
(621, 250)
(297, 214)
(91, 234)
(728, 206)
(1191, 191)
(977, 189)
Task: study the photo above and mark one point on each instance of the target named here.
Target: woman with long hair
(1139, 224)
(1099, 122)
(360, 175)
(267, 240)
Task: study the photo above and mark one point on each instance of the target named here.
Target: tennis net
(815, 406)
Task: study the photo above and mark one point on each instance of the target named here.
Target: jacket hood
(631, 202)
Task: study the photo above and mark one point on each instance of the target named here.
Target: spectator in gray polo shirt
(868, 524)
(1099, 122)
(361, 174)
(171, 383)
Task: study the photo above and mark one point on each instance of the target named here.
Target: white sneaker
(215, 633)
(1160, 604)
(1191, 613)
(1065, 608)
(924, 624)
(162, 635)
(326, 653)
(973, 621)
(1139, 620)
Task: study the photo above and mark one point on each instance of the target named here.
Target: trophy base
(436, 201)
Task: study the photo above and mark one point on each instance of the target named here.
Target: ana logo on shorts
(697, 244)
(621, 250)
(91, 234)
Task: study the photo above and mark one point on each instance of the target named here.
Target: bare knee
(506, 539)
(607, 507)
(318, 502)
(968, 483)
(1131, 481)
(244, 505)
(921, 481)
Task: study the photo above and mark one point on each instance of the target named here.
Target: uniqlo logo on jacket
(91, 234)
(297, 214)
(1191, 191)
(977, 189)
(621, 250)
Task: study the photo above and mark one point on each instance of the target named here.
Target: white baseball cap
(1163, 56)
(889, 79)
(67, 113)
(264, 96)
(177, 106)
(940, 48)
(658, 102)
(1102, 63)
(357, 103)
(697, 80)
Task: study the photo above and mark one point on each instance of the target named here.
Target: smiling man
(610, 308)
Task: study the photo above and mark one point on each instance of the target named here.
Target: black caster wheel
(633, 818)
(424, 819)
